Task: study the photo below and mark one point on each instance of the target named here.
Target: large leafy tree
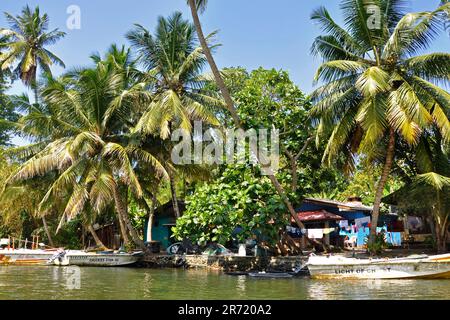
(377, 88)
(7, 110)
(28, 39)
(238, 198)
(8, 115)
(82, 133)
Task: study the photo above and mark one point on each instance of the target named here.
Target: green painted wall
(160, 232)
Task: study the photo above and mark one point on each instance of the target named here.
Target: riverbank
(223, 263)
(249, 263)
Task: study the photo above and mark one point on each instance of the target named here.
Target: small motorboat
(25, 256)
(98, 259)
(420, 267)
(270, 275)
(237, 273)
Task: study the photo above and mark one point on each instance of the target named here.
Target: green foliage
(173, 62)
(28, 38)
(377, 246)
(8, 113)
(240, 197)
(69, 236)
(364, 182)
(375, 80)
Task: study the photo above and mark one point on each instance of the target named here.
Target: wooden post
(327, 236)
(14, 243)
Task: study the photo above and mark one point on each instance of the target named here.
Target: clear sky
(253, 33)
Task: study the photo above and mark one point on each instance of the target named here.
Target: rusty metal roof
(318, 215)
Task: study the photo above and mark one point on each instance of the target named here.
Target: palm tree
(197, 6)
(28, 37)
(173, 62)
(377, 90)
(91, 150)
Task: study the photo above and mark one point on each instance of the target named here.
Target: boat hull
(323, 268)
(25, 257)
(97, 260)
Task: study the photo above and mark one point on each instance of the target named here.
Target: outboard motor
(58, 256)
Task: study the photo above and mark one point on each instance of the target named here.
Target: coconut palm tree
(427, 187)
(28, 37)
(91, 151)
(376, 87)
(197, 6)
(173, 62)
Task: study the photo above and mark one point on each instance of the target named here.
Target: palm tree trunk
(381, 184)
(47, 232)
(230, 104)
(97, 240)
(121, 210)
(173, 192)
(215, 70)
(123, 231)
(441, 238)
(151, 216)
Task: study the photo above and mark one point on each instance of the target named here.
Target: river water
(44, 282)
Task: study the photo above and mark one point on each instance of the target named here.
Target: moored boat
(421, 267)
(99, 259)
(25, 256)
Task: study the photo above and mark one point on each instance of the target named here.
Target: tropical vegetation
(99, 137)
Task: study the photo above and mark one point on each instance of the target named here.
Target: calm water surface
(128, 283)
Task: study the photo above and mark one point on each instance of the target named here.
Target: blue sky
(253, 33)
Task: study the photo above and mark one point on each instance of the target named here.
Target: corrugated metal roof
(355, 206)
(318, 215)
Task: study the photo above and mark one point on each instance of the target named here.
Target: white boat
(99, 259)
(25, 256)
(338, 267)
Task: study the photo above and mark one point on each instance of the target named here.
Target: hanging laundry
(362, 221)
(343, 223)
(414, 223)
(328, 230)
(315, 233)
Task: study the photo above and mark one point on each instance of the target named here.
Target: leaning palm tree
(197, 6)
(28, 37)
(91, 152)
(377, 89)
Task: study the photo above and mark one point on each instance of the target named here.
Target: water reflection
(126, 283)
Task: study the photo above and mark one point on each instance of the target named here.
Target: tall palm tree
(91, 151)
(197, 6)
(173, 63)
(377, 89)
(28, 37)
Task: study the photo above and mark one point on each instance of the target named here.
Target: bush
(378, 245)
